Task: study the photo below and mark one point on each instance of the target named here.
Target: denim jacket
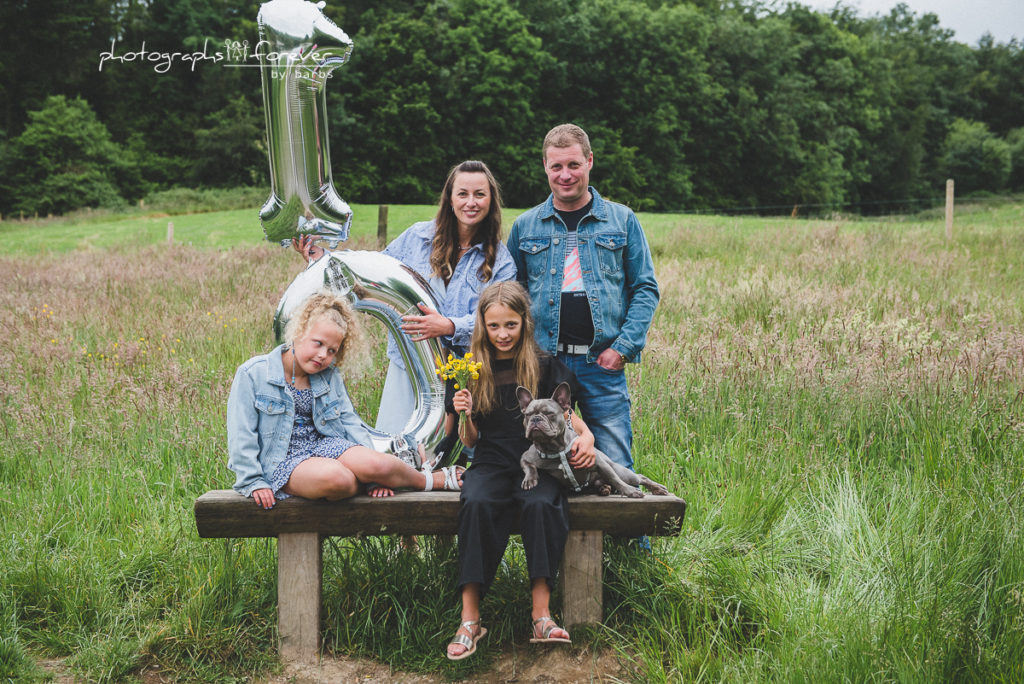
(458, 303)
(261, 413)
(618, 274)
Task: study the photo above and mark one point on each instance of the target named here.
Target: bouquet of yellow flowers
(463, 371)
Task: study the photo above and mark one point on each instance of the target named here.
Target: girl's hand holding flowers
(463, 402)
(463, 371)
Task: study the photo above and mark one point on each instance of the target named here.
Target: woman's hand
(263, 498)
(582, 454)
(377, 491)
(304, 245)
(430, 324)
(463, 401)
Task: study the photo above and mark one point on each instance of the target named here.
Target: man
(587, 266)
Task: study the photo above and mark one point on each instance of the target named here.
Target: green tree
(636, 78)
(63, 160)
(1015, 139)
(231, 151)
(424, 91)
(975, 158)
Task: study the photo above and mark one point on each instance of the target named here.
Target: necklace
(463, 249)
(293, 366)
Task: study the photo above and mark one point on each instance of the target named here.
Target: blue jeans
(604, 404)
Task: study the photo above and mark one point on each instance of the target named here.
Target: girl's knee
(340, 483)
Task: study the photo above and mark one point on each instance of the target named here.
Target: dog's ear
(562, 395)
(525, 397)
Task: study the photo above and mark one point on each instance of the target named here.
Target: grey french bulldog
(545, 424)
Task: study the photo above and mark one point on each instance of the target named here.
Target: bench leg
(299, 564)
(581, 578)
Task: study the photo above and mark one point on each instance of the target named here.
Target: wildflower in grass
(463, 371)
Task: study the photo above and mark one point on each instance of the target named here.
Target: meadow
(840, 402)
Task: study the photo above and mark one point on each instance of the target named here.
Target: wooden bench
(301, 524)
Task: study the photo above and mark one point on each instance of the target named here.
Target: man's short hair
(566, 135)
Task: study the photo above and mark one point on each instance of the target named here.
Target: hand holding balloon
(430, 324)
(307, 247)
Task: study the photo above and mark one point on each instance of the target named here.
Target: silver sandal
(468, 642)
(451, 479)
(546, 637)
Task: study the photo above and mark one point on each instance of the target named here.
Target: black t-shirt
(501, 435)
(575, 323)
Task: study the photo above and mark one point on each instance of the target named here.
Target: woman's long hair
(526, 364)
(445, 253)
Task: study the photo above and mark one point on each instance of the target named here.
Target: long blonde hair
(337, 310)
(526, 364)
(444, 254)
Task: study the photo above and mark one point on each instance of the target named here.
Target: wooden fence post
(949, 210)
(382, 226)
(170, 231)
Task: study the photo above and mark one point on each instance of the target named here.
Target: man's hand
(611, 360)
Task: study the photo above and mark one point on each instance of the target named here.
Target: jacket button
(551, 301)
(535, 248)
(556, 241)
(552, 271)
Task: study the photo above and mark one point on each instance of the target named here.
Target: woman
(459, 252)
(492, 491)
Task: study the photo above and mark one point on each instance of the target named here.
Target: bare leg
(540, 592)
(385, 469)
(322, 478)
(470, 613)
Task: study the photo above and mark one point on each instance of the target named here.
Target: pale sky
(969, 19)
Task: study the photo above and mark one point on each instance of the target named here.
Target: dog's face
(544, 419)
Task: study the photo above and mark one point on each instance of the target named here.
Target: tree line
(690, 105)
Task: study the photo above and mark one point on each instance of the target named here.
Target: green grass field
(840, 402)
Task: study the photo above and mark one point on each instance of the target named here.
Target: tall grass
(839, 402)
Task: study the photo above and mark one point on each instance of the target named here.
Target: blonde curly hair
(337, 310)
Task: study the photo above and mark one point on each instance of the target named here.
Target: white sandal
(468, 642)
(451, 478)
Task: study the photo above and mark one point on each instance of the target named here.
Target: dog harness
(564, 463)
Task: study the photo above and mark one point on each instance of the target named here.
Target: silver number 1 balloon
(387, 289)
(299, 47)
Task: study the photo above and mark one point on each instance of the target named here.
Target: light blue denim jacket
(261, 413)
(618, 274)
(413, 248)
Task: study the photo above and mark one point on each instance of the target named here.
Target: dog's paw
(604, 490)
(657, 489)
(529, 482)
(633, 493)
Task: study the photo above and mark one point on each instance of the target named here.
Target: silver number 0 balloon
(386, 289)
(299, 47)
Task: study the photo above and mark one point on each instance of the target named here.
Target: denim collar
(599, 211)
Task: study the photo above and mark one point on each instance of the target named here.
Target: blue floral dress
(306, 442)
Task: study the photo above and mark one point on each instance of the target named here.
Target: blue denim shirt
(261, 413)
(458, 303)
(618, 274)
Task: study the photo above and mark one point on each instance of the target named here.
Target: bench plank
(226, 513)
